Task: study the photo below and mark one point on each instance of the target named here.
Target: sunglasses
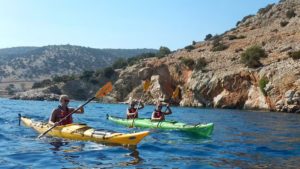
(66, 100)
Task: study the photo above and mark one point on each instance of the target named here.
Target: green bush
(120, 63)
(252, 55)
(262, 84)
(244, 19)
(163, 51)
(189, 48)
(188, 62)
(109, 72)
(43, 83)
(87, 75)
(64, 78)
(11, 89)
(200, 64)
(136, 59)
(266, 9)
(232, 37)
(290, 13)
(208, 37)
(283, 23)
(294, 55)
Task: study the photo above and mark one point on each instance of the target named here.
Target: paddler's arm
(52, 118)
(141, 105)
(80, 111)
(169, 111)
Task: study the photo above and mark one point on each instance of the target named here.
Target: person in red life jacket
(62, 111)
(132, 111)
(158, 114)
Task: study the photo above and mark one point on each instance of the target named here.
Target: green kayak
(199, 129)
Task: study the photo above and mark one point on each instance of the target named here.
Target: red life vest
(62, 114)
(132, 110)
(158, 114)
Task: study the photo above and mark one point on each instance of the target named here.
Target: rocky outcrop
(37, 94)
(224, 82)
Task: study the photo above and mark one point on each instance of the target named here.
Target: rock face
(225, 82)
(210, 73)
(36, 94)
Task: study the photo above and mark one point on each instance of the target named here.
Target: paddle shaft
(164, 113)
(56, 124)
(137, 109)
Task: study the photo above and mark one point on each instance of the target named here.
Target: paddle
(145, 87)
(100, 93)
(174, 96)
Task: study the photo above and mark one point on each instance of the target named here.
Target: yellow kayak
(86, 133)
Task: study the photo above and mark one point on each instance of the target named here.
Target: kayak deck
(199, 129)
(85, 133)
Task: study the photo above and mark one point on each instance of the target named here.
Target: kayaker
(62, 111)
(159, 115)
(132, 111)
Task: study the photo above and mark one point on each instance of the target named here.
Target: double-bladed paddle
(174, 96)
(145, 87)
(100, 93)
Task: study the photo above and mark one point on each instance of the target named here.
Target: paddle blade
(175, 93)
(104, 90)
(146, 85)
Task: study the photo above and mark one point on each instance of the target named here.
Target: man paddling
(158, 114)
(132, 111)
(62, 111)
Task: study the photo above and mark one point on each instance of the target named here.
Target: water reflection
(70, 152)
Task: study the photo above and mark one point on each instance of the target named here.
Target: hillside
(255, 65)
(37, 63)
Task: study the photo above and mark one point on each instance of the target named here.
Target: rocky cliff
(211, 73)
(253, 66)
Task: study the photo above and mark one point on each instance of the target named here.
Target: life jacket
(132, 110)
(62, 114)
(158, 114)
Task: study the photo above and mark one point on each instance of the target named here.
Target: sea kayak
(86, 133)
(198, 129)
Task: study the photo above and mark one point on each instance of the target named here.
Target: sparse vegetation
(38, 62)
(11, 89)
(200, 64)
(244, 19)
(295, 55)
(189, 48)
(120, 63)
(283, 23)
(264, 10)
(262, 84)
(109, 72)
(218, 45)
(252, 56)
(290, 13)
(188, 62)
(42, 83)
(163, 51)
(208, 37)
(232, 37)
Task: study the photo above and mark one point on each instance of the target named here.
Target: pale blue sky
(119, 23)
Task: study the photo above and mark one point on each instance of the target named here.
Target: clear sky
(119, 23)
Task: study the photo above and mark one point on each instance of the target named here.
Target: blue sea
(241, 139)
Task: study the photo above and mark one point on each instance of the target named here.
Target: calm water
(240, 140)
